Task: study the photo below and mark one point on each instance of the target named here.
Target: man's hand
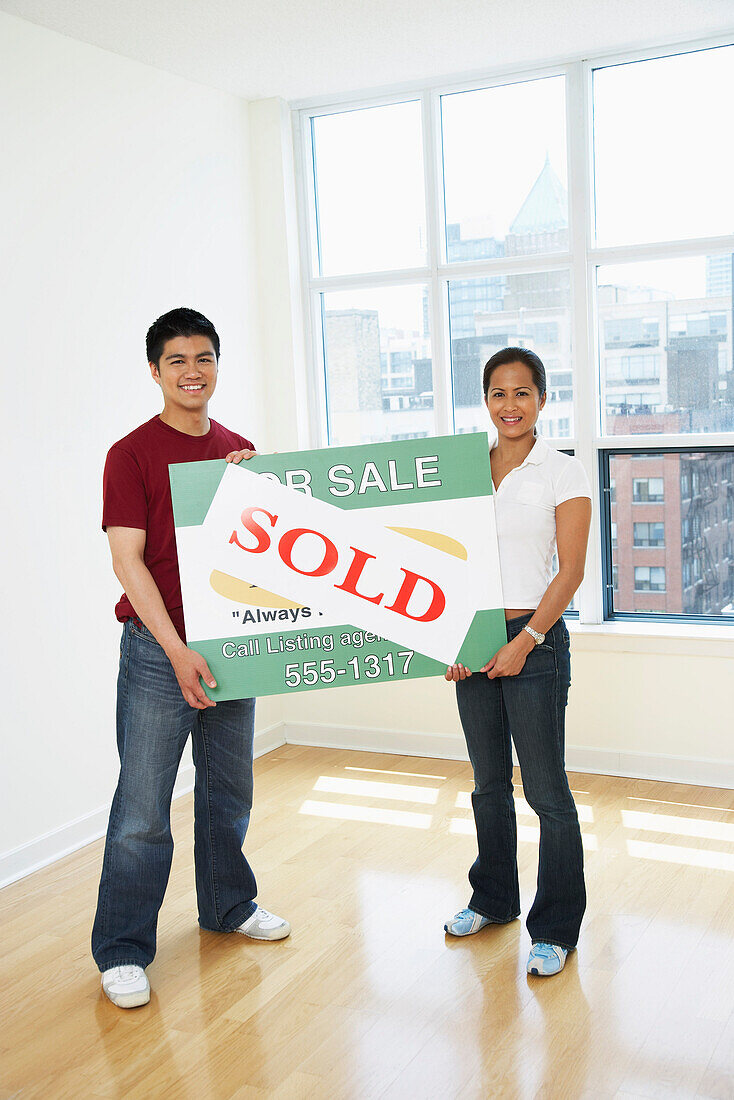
(237, 456)
(510, 659)
(456, 672)
(188, 667)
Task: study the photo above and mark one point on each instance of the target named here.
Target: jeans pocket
(142, 632)
(540, 661)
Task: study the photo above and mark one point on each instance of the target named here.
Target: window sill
(682, 639)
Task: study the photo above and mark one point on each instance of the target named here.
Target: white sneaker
(264, 926)
(546, 959)
(126, 986)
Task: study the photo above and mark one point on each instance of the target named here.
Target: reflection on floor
(367, 855)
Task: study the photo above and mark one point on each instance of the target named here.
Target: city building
(468, 297)
(672, 519)
(719, 275)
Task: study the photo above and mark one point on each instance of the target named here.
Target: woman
(542, 504)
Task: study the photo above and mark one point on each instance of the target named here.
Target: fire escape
(701, 471)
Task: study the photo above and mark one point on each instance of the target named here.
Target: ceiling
(298, 50)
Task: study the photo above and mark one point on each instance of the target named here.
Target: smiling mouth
(193, 388)
(510, 419)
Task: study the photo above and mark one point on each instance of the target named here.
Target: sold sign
(342, 562)
(330, 561)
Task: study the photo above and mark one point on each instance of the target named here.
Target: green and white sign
(340, 566)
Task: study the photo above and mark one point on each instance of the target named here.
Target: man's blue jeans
(529, 707)
(153, 725)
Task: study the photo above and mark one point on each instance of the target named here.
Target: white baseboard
(46, 849)
(447, 746)
(38, 853)
(699, 772)
(451, 746)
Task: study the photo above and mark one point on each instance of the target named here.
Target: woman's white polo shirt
(525, 510)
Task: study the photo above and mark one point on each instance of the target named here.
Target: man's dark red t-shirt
(137, 493)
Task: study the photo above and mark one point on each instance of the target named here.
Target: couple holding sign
(542, 501)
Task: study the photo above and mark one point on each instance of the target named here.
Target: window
(377, 355)
(665, 354)
(646, 490)
(648, 534)
(675, 378)
(522, 209)
(631, 332)
(428, 247)
(646, 188)
(649, 578)
(368, 214)
(370, 209)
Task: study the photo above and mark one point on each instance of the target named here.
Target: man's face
(187, 372)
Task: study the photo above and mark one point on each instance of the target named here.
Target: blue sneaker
(546, 959)
(465, 923)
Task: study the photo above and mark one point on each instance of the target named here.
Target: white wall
(124, 192)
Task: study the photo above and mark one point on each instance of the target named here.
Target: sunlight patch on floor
(673, 853)
(688, 805)
(366, 813)
(681, 826)
(391, 771)
(401, 792)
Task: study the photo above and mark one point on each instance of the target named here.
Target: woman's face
(513, 400)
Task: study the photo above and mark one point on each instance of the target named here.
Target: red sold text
(358, 559)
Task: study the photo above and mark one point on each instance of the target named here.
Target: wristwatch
(538, 638)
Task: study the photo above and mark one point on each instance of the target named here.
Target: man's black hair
(178, 322)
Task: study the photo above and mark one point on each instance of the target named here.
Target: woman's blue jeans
(530, 708)
(153, 724)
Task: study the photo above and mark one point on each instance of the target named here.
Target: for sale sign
(339, 566)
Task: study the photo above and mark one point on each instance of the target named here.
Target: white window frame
(582, 259)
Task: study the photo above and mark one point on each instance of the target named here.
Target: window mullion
(578, 111)
(366, 280)
(440, 351)
(662, 250)
(305, 202)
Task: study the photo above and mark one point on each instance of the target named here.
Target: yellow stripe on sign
(435, 539)
(242, 592)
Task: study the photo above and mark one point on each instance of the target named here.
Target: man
(160, 695)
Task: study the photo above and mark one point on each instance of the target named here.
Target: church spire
(545, 210)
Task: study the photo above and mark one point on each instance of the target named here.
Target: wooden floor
(367, 855)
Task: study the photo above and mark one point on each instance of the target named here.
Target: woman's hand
(510, 659)
(456, 672)
(237, 456)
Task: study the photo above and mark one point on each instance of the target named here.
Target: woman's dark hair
(515, 355)
(178, 322)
